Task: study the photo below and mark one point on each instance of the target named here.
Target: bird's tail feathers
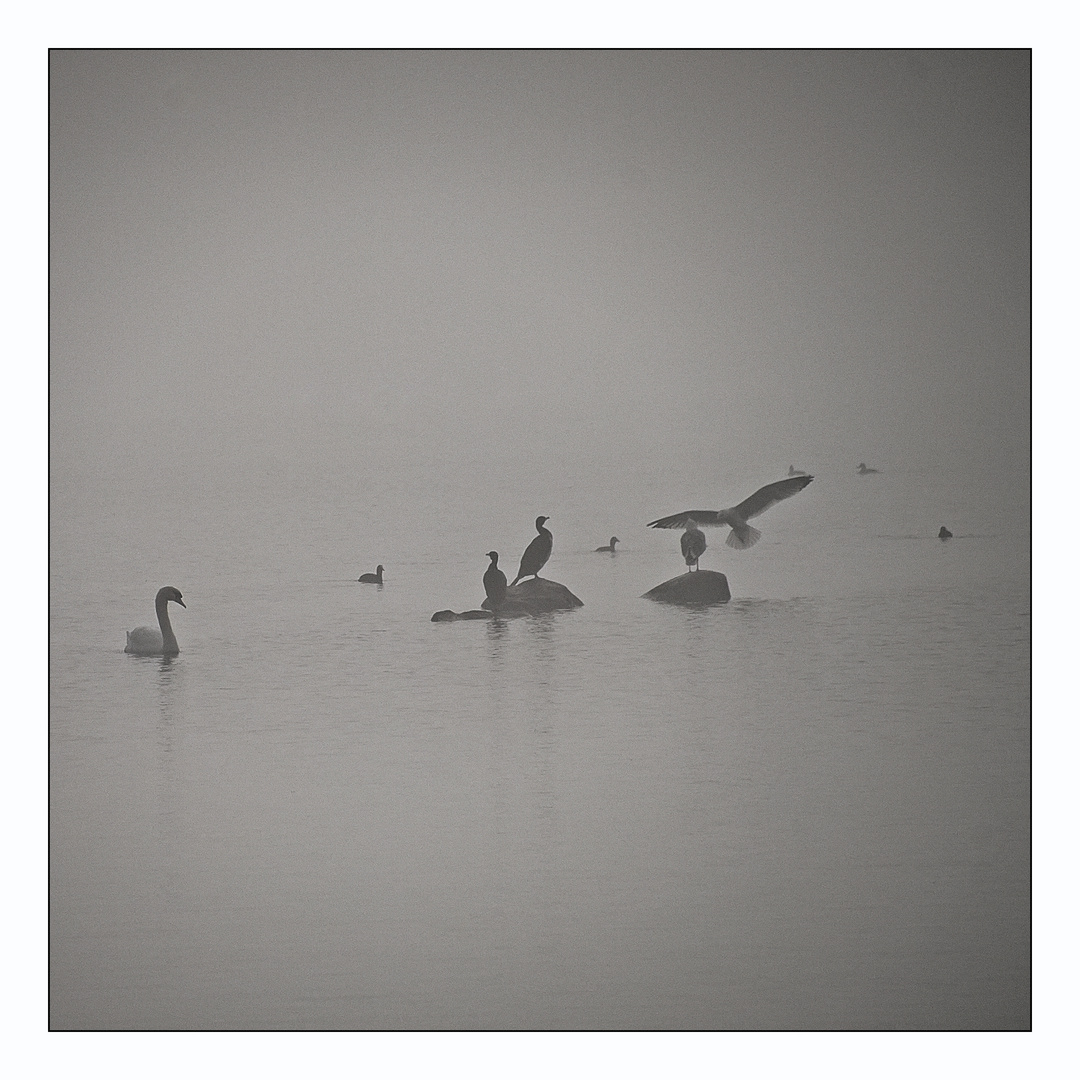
(743, 536)
(515, 581)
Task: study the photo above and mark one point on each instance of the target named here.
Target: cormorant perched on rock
(372, 579)
(495, 582)
(862, 470)
(944, 534)
(609, 547)
(693, 544)
(741, 535)
(536, 554)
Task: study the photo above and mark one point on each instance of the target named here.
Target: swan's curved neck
(168, 638)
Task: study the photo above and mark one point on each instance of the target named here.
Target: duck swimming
(611, 546)
(944, 534)
(742, 535)
(536, 554)
(372, 579)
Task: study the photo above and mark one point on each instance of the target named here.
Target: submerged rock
(699, 587)
(453, 616)
(534, 596)
(526, 598)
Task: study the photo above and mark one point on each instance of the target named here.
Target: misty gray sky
(798, 256)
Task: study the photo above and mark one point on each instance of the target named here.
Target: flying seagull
(741, 535)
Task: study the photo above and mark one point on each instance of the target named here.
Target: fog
(718, 262)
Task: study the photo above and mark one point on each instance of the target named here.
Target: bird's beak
(181, 602)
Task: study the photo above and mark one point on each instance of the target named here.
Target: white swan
(145, 640)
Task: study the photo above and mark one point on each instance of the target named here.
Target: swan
(372, 579)
(693, 544)
(536, 554)
(741, 535)
(609, 547)
(944, 534)
(862, 470)
(495, 582)
(145, 640)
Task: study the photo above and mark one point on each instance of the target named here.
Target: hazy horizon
(314, 311)
(732, 260)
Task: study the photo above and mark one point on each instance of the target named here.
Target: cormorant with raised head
(741, 535)
(495, 582)
(372, 579)
(536, 554)
(609, 547)
(693, 545)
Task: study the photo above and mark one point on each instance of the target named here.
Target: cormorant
(693, 544)
(372, 579)
(609, 547)
(944, 534)
(741, 535)
(495, 582)
(536, 554)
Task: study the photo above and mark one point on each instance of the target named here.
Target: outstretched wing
(758, 503)
(770, 495)
(678, 521)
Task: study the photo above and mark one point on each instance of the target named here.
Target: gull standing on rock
(693, 545)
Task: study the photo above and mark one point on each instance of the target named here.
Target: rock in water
(700, 587)
(534, 596)
(454, 616)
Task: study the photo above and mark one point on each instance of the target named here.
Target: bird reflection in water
(497, 637)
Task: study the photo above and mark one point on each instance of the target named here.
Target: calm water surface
(806, 808)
